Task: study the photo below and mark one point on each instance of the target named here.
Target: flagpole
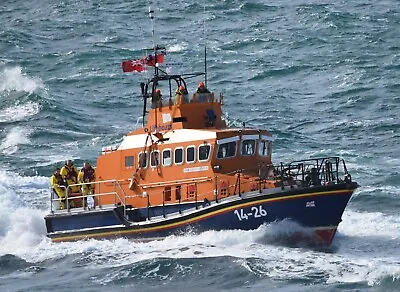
(205, 43)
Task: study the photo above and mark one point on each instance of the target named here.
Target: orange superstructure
(184, 153)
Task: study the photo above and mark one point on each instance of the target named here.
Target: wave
(12, 79)
(21, 226)
(19, 112)
(16, 136)
(21, 98)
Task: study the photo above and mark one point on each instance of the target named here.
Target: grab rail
(301, 173)
(70, 196)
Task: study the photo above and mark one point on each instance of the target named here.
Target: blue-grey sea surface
(321, 76)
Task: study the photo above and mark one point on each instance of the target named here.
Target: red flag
(127, 66)
(149, 60)
(160, 59)
(132, 66)
(140, 65)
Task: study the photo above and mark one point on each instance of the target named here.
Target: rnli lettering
(195, 169)
(161, 128)
(310, 204)
(256, 212)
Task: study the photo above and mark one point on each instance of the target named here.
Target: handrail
(301, 173)
(68, 197)
(318, 170)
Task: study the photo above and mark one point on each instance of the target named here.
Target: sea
(321, 76)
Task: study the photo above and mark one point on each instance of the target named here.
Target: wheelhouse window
(129, 161)
(248, 147)
(142, 161)
(190, 154)
(264, 148)
(178, 155)
(155, 158)
(166, 157)
(204, 152)
(226, 150)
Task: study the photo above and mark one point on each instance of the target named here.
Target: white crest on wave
(19, 112)
(14, 137)
(177, 48)
(12, 79)
(21, 226)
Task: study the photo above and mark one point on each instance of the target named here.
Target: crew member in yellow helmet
(56, 182)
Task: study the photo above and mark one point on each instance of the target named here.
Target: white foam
(372, 224)
(21, 226)
(19, 112)
(355, 270)
(386, 190)
(177, 48)
(24, 229)
(15, 137)
(12, 79)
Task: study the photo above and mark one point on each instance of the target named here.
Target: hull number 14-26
(256, 212)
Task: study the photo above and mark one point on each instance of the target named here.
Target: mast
(155, 47)
(205, 43)
(151, 15)
(144, 87)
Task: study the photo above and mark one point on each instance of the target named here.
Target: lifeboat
(185, 170)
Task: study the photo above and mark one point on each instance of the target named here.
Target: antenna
(151, 15)
(205, 43)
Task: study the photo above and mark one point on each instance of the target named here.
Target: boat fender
(90, 202)
(55, 201)
(206, 202)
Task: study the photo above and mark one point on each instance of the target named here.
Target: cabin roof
(186, 135)
(171, 137)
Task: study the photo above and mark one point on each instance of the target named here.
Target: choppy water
(322, 77)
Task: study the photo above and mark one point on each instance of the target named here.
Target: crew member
(70, 175)
(87, 175)
(202, 94)
(156, 99)
(202, 88)
(179, 95)
(56, 182)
